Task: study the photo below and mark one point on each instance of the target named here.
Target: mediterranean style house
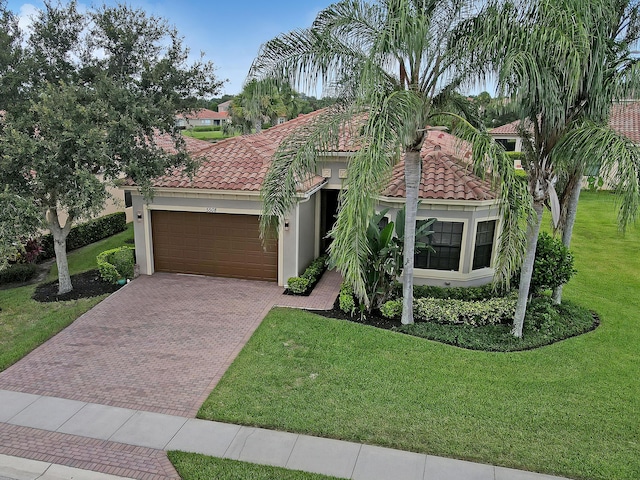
(209, 224)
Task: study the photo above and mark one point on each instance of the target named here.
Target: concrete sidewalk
(120, 427)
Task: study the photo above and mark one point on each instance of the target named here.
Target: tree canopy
(96, 90)
(563, 63)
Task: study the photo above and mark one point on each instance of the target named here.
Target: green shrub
(483, 292)
(86, 233)
(298, 285)
(346, 301)
(18, 272)
(553, 265)
(123, 260)
(204, 129)
(570, 320)
(392, 309)
(116, 264)
(492, 311)
(516, 156)
(303, 284)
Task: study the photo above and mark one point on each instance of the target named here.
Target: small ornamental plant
(116, 264)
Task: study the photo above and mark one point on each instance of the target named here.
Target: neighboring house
(202, 118)
(224, 106)
(624, 118)
(209, 224)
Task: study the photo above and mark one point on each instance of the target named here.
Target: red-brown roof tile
(624, 118)
(204, 114)
(508, 129)
(446, 172)
(241, 164)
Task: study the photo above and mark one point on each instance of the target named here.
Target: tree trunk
(527, 270)
(570, 220)
(60, 248)
(412, 173)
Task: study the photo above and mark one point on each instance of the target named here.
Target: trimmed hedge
(116, 264)
(18, 272)
(483, 292)
(303, 284)
(86, 233)
(492, 311)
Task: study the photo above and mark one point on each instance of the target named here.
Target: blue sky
(230, 32)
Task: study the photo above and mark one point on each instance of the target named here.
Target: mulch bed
(374, 318)
(87, 284)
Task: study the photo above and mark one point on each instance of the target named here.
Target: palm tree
(558, 60)
(610, 74)
(390, 64)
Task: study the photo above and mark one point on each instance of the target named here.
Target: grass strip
(193, 466)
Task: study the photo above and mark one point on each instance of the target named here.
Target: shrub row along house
(209, 224)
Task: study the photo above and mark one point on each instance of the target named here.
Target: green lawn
(568, 409)
(219, 135)
(25, 323)
(84, 258)
(192, 466)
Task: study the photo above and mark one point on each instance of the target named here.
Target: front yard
(26, 323)
(568, 409)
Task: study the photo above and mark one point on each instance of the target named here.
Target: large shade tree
(563, 62)
(390, 64)
(99, 87)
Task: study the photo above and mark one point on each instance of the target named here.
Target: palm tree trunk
(570, 220)
(412, 173)
(527, 269)
(60, 248)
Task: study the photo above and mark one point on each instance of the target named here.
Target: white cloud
(25, 17)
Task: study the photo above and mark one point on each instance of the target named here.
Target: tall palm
(556, 58)
(610, 74)
(390, 64)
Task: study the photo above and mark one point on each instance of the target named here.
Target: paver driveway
(160, 344)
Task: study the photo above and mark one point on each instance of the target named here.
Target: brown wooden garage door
(212, 244)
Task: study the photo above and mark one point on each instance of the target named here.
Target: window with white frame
(485, 234)
(446, 241)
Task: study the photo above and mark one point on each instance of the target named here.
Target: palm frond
(619, 158)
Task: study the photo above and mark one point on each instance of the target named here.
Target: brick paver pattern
(160, 344)
(86, 453)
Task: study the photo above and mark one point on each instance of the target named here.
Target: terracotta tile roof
(204, 114)
(446, 172)
(241, 163)
(238, 163)
(508, 129)
(193, 145)
(624, 118)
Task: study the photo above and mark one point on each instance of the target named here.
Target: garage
(222, 245)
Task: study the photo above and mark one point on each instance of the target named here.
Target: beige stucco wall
(211, 202)
(469, 213)
(298, 238)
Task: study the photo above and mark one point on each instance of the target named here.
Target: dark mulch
(87, 284)
(374, 319)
